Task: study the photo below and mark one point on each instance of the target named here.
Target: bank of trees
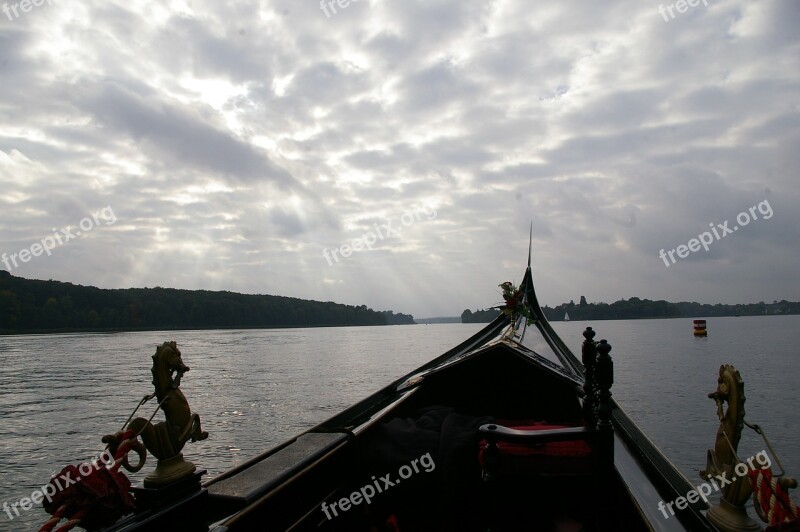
(32, 305)
(479, 316)
(635, 308)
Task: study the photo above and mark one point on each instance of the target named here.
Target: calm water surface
(254, 389)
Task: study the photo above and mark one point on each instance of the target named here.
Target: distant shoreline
(233, 328)
(31, 306)
(4, 332)
(638, 309)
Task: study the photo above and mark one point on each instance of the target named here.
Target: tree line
(28, 305)
(635, 308)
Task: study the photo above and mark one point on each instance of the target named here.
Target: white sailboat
(566, 316)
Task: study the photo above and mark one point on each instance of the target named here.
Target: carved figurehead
(722, 460)
(166, 439)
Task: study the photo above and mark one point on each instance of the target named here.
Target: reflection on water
(256, 388)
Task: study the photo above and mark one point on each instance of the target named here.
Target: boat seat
(535, 448)
(537, 475)
(246, 484)
(523, 447)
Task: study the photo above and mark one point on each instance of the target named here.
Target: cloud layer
(238, 141)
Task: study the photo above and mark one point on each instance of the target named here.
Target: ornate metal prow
(105, 495)
(771, 499)
(166, 439)
(721, 461)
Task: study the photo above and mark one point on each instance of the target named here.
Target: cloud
(241, 140)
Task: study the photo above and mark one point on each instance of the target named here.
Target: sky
(394, 153)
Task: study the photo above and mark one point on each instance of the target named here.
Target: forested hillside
(32, 305)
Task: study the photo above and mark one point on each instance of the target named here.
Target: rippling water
(256, 388)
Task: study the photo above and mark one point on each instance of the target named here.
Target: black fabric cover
(446, 498)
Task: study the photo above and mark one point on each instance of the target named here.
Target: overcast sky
(232, 143)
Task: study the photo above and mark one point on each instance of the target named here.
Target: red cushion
(564, 457)
(556, 448)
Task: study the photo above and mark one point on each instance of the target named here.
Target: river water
(256, 388)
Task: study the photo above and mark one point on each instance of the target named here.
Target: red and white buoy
(700, 328)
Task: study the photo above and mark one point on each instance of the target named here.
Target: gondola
(507, 431)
